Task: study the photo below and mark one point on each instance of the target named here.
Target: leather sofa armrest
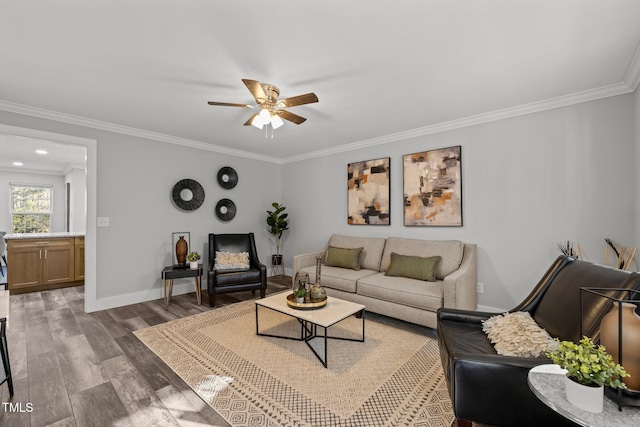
(305, 260)
(465, 316)
(461, 286)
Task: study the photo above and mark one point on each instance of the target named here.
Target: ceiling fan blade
(229, 104)
(291, 117)
(256, 90)
(307, 98)
(248, 122)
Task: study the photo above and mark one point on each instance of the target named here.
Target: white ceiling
(382, 70)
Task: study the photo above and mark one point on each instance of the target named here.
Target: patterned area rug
(393, 378)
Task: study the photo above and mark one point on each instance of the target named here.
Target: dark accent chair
(489, 388)
(224, 281)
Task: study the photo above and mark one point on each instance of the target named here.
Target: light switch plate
(103, 221)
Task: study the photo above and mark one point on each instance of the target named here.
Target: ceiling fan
(271, 109)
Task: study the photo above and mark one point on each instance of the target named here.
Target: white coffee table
(335, 311)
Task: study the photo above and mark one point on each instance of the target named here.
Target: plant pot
(276, 259)
(587, 398)
(300, 300)
(193, 264)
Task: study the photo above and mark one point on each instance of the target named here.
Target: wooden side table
(178, 272)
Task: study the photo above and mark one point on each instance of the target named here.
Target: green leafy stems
(588, 364)
(277, 222)
(193, 256)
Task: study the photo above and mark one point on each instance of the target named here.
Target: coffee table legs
(309, 331)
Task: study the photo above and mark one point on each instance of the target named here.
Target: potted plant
(300, 293)
(193, 258)
(589, 368)
(278, 224)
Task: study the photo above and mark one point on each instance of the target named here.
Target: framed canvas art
(368, 192)
(433, 188)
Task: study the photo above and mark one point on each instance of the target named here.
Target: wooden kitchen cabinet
(40, 264)
(79, 258)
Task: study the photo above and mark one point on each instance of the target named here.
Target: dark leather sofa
(489, 388)
(224, 281)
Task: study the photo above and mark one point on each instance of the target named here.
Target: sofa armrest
(466, 316)
(305, 260)
(460, 287)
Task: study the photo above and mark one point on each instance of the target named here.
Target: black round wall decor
(225, 210)
(227, 177)
(188, 194)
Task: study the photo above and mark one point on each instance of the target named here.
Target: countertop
(19, 236)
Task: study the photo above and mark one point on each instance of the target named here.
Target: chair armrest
(305, 260)
(465, 316)
(461, 286)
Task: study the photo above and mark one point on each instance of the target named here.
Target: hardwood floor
(71, 368)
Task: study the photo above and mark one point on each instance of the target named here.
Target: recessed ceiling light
(41, 151)
(17, 163)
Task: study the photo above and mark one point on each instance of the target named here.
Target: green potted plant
(300, 293)
(193, 258)
(277, 224)
(589, 368)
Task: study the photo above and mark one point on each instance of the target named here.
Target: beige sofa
(412, 300)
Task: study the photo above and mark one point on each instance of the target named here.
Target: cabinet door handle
(40, 252)
(45, 254)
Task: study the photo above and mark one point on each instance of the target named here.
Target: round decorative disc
(227, 177)
(188, 194)
(225, 210)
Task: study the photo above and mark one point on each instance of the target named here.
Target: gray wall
(135, 177)
(529, 183)
(58, 196)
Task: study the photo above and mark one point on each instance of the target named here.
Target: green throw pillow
(413, 267)
(343, 257)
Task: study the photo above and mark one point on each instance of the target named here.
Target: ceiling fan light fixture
(276, 121)
(265, 116)
(257, 122)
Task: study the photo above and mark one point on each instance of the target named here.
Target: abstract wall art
(433, 188)
(368, 192)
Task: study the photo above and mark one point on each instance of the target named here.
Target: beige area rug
(393, 378)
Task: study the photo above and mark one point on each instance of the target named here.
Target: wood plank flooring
(71, 368)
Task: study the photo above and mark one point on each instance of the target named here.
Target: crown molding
(521, 110)
(630, 83)
(30, 171)
(125, 130)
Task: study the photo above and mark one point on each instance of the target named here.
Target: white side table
(547, 383)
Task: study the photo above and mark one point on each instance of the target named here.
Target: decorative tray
(304, 305)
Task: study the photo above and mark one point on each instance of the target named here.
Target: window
(30, 208)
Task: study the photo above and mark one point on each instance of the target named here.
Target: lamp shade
(276, 121)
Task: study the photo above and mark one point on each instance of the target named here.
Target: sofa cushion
(338, 278)
(371, 252)
(401, 290)
(343, 257)
(451, 252)
(413, 267)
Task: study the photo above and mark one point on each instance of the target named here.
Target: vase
(587, 398)
(317, 293)
(181, 250)
(193, 265)
(630, 357)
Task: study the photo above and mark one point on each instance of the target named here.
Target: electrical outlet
(480, 288)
